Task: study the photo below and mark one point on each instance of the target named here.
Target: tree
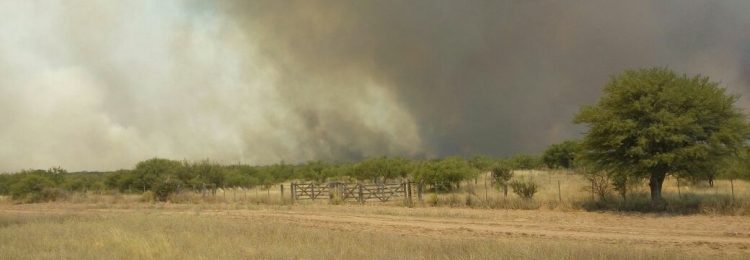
(481, 163)
(314, 171)
(653, 122)
(501, 174)
(207, 173)
(444, 173)
(150, 172)
(737, 167)
(524, 162)
(561, 155)
(34, 188)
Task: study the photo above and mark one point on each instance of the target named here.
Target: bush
(524, 188)
(34, 188)
(600, 184)
(163, 190)
(147, 196)
(501, 174)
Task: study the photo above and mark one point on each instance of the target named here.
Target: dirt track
(721, 234)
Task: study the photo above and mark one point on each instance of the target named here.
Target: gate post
(330, 193)
(420, 189)
(312, 191)
(361, 196)
(408, 192)
(293, 191)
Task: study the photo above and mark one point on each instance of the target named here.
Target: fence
(359, 192)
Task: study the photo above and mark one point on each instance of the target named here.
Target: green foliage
(162, 190)
(525, 162)
(382, 168)
(501, 173)
(652, 122)
(35, 188)
(481, 163)
(562, 155)
(314, 171)
(524, 188)
(737, 166)
(150, 172)
(206, 172)
(444, 174)
(5, 182)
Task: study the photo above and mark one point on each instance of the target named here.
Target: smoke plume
(104, 84)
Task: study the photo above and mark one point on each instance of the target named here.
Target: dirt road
(724, 234)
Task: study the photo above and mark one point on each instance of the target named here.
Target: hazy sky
(100, 85)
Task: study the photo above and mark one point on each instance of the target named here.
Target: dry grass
(143, 235)
(118, 226)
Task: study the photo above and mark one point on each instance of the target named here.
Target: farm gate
(359, 192)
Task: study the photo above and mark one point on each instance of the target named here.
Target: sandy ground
(719, 234)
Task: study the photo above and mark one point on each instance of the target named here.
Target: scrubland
(473, 223)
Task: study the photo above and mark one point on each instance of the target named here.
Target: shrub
(600, 184)
(34, 188)
(524, 188)
(147, 196)
(501, 174)
(162, 190)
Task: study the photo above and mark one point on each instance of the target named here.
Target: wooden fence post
(559, 192)
(731, 184)
(420, 188)
(293, 191)
(330, 194)
(282, 193)
(312, 190)
(408, 188)
(406, 193)
(361, 195)
(485, 188)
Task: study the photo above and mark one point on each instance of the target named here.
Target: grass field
(223, 231)
(473, 223)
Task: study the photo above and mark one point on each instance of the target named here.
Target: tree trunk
(655, 183)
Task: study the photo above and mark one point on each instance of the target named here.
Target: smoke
(104, 84)
(494, 77)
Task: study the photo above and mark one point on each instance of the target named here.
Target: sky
(101, 85)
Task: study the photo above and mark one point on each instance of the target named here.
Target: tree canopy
(561, 155)
(654, 122)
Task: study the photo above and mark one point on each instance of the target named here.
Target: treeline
(163, 176)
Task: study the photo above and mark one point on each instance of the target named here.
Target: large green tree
(654, 122)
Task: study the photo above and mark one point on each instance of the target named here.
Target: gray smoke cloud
(104, 84)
